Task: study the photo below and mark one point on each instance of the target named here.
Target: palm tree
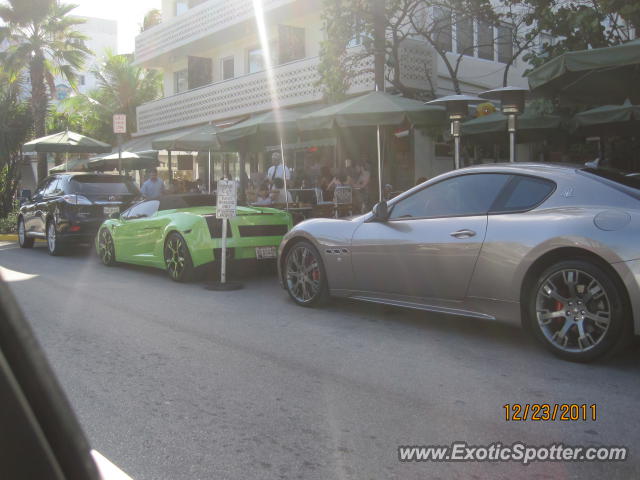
(15, 126)
(122, 88)
(42, 40)
(152, 18)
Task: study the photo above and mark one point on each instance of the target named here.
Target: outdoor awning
(530, 126)
(73, 165)
(144, 143)
(66, 142)
(130, 161)
(323, 142)
(600, 75)
(195, 139)
(620, 120)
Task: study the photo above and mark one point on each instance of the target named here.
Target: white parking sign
(227, 199)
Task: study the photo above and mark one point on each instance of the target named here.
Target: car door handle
(464, 233)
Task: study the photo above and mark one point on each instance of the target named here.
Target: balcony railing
(293, 84)
(199, 22)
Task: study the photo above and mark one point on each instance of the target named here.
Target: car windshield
(102, 185)
(187, 201)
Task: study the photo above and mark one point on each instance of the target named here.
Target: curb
(8, 237)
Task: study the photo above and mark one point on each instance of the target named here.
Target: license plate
(263, 253)
(111, 210)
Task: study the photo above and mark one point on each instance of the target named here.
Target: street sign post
(119, 128)
(226, 205)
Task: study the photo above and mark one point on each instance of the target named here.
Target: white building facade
(213, 65)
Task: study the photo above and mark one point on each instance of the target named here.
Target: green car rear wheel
(177, 258)
(106, 249)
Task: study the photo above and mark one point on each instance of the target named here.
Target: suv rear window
(101, 185)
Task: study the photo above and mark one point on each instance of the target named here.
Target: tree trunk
(39, 108)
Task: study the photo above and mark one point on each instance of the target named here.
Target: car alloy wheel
(578, 311)
(53, 243)
(23, 240)
(573, 310)
(106, 249)
(304, 275)
(177, 258)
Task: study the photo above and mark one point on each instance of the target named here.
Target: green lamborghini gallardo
(181, 233)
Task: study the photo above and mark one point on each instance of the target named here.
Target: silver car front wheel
(304, 274)
(578, 312)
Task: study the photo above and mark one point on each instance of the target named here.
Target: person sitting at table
(341, 179)
(278, 193)
(263, 198)
(324, 180)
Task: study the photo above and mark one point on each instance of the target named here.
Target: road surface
(172, 381)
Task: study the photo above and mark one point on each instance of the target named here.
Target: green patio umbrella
(619, 120)
(374, 109)
(596, 76)
(264, 129)
(531, 126)
(130, 161)
(66, 142)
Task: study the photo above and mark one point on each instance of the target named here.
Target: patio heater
(512, 102)
(457, 109)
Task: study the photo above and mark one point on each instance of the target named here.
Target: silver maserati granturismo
(554, 247)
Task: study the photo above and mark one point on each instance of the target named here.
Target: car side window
(42, 187)
(51, 187)
(464, 195)
(142, 210)
(524, 194)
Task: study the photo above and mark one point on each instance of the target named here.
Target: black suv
(68, 208)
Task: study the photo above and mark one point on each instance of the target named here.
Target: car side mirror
(381, 212)
(115, 215)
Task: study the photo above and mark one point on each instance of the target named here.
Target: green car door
(139, 230)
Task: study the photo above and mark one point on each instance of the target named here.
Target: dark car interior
(40, 436)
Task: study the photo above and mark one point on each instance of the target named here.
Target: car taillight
(74, 199)
(74, 228)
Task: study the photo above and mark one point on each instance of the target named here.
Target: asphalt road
(176, 382)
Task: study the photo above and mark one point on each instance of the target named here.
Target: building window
(290, 44)
(485, 40)
(359, 36)
(181, 7)
(464, 35)
(443, 28)
(255, 60)
(181, 81)
(505, 44)
(228, 68)
(81, 80)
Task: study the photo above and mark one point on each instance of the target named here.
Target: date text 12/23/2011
(547, 412)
